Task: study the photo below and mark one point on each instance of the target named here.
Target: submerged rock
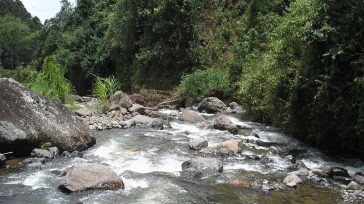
(191, 116)
(198, 144)
(211, 105)
(28, 120)
(224, 123)
(240, 183)
(33, 160)
(90, 176)
(292, 180)
(201, 167)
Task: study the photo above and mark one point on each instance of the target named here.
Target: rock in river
(233, 145)
(90, 176)
(198, 144)
(191, 116)
(211, 105)
(201, 167)
(28, 120)
(292, 180)
(224, 123)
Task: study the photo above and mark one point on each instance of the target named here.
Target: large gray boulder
(224, 123)
(28, 120)
(90, 176)
(201, 167)
(192, 116)
(211, 105)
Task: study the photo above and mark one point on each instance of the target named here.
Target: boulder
(136, 108)
(147, 122)
(90, 176)
(139, 99)
(359, 179)
(224, 123)
(28, 120)
(339, 171)
(54, 151)
(198, 144)
(211, 105)
(124, 101)
(353, 186)
(192, 116)
(76, 154)
(123, 111)
(2, 160)
(154, 114)
(234, 105)
(201, 167)
(41, 153)
(292, 180)
(233, 145)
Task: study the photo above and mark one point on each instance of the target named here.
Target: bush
(50, 81)
(202, 84)
(104, 89)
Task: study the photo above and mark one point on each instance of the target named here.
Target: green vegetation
(46, 145)
(296, 64)
(204, 83)
(104, 89)
(50, 81)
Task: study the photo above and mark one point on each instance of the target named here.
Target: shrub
(202, 84)
(50, 81)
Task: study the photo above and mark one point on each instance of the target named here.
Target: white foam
(239, 123)
(107, 151)
(37, 180)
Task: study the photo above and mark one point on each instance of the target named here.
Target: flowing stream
(149, 162)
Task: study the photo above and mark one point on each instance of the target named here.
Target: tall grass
(104, 89)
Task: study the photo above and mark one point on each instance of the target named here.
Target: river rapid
(149, 162)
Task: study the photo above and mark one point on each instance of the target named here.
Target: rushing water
(149, 162)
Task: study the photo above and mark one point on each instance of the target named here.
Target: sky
(44, 9)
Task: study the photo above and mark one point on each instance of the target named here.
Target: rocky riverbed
(188, 158)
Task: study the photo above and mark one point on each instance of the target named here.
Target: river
(149, 162)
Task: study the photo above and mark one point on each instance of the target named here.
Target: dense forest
(296, 64)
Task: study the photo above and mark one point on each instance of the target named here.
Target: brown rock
(233, 145)
(90, 176)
